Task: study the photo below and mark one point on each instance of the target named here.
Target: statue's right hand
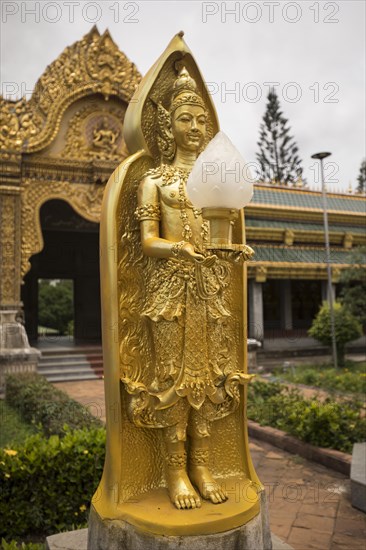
(188, 253)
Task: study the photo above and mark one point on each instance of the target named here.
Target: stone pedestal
(77, 540)
(358, 476)
(16, 355)
(120, 535)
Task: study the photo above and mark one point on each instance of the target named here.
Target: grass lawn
(13, 430)
(350, 379)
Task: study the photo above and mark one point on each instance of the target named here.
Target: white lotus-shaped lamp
(220, 183)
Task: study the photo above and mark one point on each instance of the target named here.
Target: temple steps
(78, 363)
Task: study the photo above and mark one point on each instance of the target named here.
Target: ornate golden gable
(63, 143)
(93, 65)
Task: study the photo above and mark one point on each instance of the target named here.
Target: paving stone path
(309, 504)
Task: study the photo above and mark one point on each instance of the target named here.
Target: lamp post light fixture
(320, 157)
(220, 183)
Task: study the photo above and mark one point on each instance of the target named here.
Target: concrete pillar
(286, 305)
(333, 292)
(15, 353)
(325, 291)
(256, 327)
(10, 247)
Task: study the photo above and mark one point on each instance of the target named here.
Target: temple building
(57, 151)
(288, 279)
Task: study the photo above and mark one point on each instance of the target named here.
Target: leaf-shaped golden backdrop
(136, 487)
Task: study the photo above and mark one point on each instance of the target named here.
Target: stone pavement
(309, 504)
(301, 342)
(88, 392)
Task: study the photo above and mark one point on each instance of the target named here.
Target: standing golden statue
(174, 340)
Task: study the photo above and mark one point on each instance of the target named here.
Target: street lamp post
(320, 157)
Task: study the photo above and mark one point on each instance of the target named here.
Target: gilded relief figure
(174, 339)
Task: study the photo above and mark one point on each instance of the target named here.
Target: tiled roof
(251, 222)
(295, 254)
(306, 199)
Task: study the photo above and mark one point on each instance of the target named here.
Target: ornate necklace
(170, 175)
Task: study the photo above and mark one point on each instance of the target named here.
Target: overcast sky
(314, 50)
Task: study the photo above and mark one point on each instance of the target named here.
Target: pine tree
(278, 156)
(361, 185)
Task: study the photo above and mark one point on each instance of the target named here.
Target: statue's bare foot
(205, 483)
(181, 491)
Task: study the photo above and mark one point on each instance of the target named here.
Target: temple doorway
(289, 306)
(306, 301)
(70, 252)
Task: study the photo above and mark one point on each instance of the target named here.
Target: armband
(148, 212)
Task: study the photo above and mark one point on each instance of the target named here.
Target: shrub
(353, 281)
(351, 379)
(47, 484)
(347, 328)
(12, 428)
(337, 425)
(14, 545)
(39, 402)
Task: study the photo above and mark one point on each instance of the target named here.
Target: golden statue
(174, 339)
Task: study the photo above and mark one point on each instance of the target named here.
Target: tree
(361, 179)
(353, 281)
(277, 155)
(55, 304)
(347, 328)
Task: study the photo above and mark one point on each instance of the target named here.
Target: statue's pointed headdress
(175, 70)
(185, 91)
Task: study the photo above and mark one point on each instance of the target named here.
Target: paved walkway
(309, 504)
(294, 343)
(270, 363)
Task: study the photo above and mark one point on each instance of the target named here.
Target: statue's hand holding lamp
(220, 185)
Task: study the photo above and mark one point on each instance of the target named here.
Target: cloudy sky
(312, 50)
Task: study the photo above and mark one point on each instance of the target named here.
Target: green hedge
(333, 424)
(14, 545)
(13, 429)
(40, 403)
(47, 484)
(351, 379)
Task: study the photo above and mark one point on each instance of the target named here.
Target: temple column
(286, 305)
(325, 291)
(256, 328)
(15, 352)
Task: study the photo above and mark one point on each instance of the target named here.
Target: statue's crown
(184, 82)
(184, 91)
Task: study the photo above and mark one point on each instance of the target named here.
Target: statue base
(120, 535)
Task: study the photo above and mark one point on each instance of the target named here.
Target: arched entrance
(71, 251)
